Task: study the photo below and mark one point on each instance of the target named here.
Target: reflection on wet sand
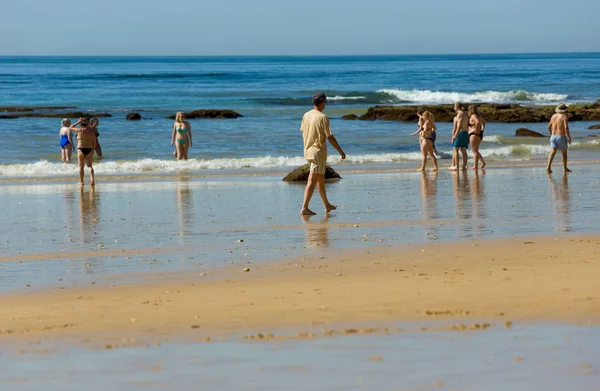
(316, 233)
(185, 206)
(460, 187)
(561, 201)
(88, 213)
(428, 195)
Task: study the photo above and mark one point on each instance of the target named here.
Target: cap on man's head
(318, 98)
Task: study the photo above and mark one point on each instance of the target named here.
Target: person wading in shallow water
(560, 136)
(86, 143)
(476, 129)
(315, 133)
(460, 138)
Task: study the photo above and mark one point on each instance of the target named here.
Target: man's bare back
(559, 125)
(461, 121)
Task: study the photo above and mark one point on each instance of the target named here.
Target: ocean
(272, 93)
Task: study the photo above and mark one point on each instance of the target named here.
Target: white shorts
(318, 164)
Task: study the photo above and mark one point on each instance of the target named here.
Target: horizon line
(296, 55)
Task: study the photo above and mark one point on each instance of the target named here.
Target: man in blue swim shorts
(560, 136)
(460, 137)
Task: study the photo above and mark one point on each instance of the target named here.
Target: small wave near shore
(47, 169)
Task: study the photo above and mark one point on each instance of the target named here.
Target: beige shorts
(318, 164)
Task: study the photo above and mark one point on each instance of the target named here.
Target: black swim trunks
(86, 151)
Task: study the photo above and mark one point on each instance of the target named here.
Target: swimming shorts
(318, 164)
(559, 142)
(462, 140)
(86, 151)
(433, 136)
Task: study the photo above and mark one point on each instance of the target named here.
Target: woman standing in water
(86, 143)
(476, 128)
(182, 134)
(427, 130)
(66, 143)
(94, 124)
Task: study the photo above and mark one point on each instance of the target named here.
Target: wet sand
(499, 280)
(156, 267)
(541, 358)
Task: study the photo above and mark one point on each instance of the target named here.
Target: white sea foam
(45, 168)
(427, 96)
(339, 97)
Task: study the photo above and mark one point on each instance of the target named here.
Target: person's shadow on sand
(316, 233)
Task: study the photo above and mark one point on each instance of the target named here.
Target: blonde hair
(428, 116)
(473, 110)
(179, 116)
(65, 122)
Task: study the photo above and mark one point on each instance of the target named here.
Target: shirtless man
(315, 133)
(460, 137)
(86, 143)
(560, 136)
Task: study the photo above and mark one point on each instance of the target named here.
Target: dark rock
(301, 174)
(21, 109)
(133, 116)
(508, 113)
(523, 132)
(350, 117)
(209, 114)
(594, 127)
(76, 114)
(9, 116)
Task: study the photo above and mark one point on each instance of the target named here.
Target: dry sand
(502, 280)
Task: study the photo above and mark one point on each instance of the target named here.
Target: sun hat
(561, 108)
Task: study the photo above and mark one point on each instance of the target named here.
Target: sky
(292, 27)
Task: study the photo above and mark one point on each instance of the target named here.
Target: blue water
(272, 93)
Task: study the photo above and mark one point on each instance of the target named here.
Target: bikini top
(182, 130)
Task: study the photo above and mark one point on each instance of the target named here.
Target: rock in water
(524, 132)
(133, 116)
(350, 117)
(301, 174)
(209, 114)
(594, 127)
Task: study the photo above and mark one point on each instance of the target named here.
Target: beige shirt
(315, 130)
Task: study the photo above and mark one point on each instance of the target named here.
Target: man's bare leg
(454, 165)
(564, 156)
(550, 159)
(321, 187)
(423, 158)
(308, 193)
(465, 158)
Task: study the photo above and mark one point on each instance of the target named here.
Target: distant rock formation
(507, 113)
(524, 132)
(209, 114)
(133, 117)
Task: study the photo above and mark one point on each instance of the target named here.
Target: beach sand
(499, 280)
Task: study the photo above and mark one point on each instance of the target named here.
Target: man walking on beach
(560, 136)
(315, 133)
(460, 137)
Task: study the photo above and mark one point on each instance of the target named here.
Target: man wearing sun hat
(560, 135)
(315, 133)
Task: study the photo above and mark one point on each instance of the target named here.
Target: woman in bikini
(86, 143)
(94, 124)
(426, 137)
(476, 128)
(182, 134)
(66, 143)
